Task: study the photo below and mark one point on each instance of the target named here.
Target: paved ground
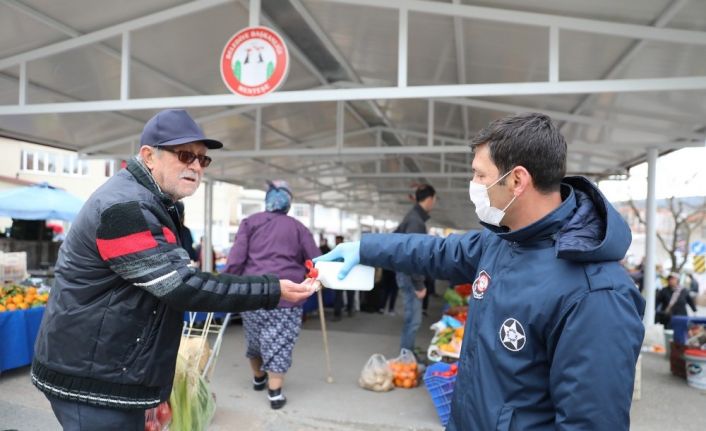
(314, 405)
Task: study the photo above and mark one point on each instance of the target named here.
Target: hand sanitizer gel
(360, 277)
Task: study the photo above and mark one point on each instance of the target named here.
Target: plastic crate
(681, 324)
(440, 389)
(13, 266)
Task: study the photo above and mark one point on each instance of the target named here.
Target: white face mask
(481, 200)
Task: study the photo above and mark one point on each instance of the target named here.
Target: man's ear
(520, 180)
(148, 154)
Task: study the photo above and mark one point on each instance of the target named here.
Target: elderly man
(554, 324)
(107, 346)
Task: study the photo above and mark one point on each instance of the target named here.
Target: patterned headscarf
(278, 197)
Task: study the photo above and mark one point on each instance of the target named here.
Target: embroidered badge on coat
(480, 285)
(512, 335)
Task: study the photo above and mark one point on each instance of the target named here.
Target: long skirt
(271, 335)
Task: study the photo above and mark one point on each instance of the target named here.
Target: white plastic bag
(376, 375)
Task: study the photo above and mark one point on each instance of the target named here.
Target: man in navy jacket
(554, 323)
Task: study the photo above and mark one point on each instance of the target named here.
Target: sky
(681, 173)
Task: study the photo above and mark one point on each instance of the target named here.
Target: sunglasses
(187, 157)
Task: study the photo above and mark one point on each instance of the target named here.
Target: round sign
(254, 62)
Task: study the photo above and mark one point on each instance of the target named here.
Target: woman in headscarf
(273, 243)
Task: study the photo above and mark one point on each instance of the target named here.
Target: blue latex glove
(348, 252)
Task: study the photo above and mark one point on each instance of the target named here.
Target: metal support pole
(254, 20)
(340, 221)
(23, 83)
(339, 124)
(258, 129)
(553, 54)
(312, 219)
(650, 239)
(402, 49)
(430, 123)
(206, 246)
(125, 67)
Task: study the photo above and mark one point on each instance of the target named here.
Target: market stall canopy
(380, 95)
(39, 202)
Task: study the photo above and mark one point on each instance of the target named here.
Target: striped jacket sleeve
(144, 251)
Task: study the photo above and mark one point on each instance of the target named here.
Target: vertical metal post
(23, 83)
(258, 128)
(553, 54)
(206, 246)
(650, 239)
(340, 221)
(312, 219)
(254, 18)
(125, 67)
(339, 124)
(430, 123)
(402, 49)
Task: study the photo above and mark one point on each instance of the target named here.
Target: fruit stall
(21, 311)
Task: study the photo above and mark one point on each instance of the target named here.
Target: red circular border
(278, 75)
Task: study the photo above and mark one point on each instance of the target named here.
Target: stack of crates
(13, 266)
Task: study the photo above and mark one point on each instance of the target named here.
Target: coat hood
(585, 227)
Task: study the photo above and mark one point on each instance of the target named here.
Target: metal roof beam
(136, 137)
(381, 175)
(354, 151)
(575, 118)
(593, 26)
(371, 93)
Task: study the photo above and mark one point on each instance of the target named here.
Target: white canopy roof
(360, 121)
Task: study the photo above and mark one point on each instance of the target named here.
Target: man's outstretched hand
(296, 292)
(348, 252)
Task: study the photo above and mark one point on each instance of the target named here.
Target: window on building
(41, 161)
(71, 165)
(66, 164)
(27, 163)
(38, 161)
(51, 163)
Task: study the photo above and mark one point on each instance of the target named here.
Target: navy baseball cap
(174, 127)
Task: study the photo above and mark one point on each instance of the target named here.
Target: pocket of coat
(138, 346)
(507, 414)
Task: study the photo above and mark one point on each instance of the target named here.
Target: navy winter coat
(554, 322)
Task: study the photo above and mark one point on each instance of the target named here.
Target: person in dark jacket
(275, 243)
(554, 324)
(187, 239)
(107, 345)
(672, 301)
(412, 286)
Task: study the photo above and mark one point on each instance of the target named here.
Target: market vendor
(554, 324)
(106, 350)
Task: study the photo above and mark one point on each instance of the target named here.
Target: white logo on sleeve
(512, 335)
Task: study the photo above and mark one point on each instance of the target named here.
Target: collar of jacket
(144, 177)
(423, 214)
(545, 228)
